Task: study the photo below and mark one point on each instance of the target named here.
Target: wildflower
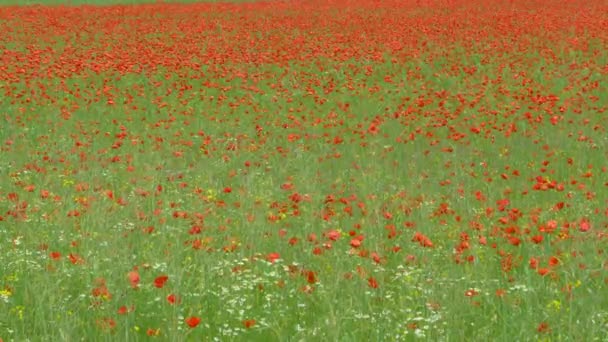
(153, 332)
(471, 293)
(134, 279)
(55, 255)
(584, 226)
(192, 321)
(543, 327)
(76, 259)
(333, 235)
(106, 323)
(172, 299)
(553, 261)
(272, 257)
(5, 294)
(422, 239)
(160, 281)
(533, 263)
(537, 239)
(311, 277)
(543, 271)
(101, 290)
(248, 323)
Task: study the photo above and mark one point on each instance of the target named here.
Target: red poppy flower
(153, 332)
(311, 277)
(537, 239)
(422, 239)
(101, 290)
(333, 235)
(55, 255)
(553, 261)
(543, 271)
(515, 241)
(584, 226)
(160, 281)
(76, 259)
(533, 263)
(543, 327)
(272, 257)
(248, 323)
(123, 310)
(134, 279)
(192, 321)
(172, 299)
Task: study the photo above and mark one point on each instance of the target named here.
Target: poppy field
(346, 170)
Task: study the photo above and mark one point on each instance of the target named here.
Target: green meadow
(303, 171)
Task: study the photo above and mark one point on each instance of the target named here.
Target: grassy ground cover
(299, 171)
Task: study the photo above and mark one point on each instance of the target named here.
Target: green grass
(203, 174)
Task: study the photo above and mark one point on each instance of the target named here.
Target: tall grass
(351, 171)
